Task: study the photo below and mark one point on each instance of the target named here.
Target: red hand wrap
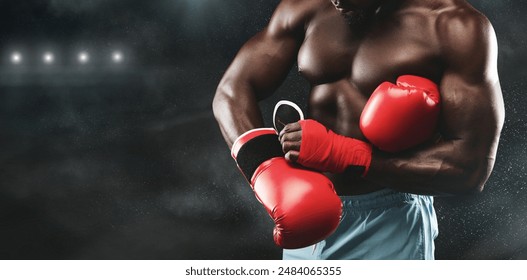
(324, 150)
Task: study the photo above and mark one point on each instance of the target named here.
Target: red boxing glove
(302, 203)
(401, 116)
(324, 150)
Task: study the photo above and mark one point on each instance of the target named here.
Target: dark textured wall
(126, 161)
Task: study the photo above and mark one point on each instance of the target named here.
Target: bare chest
(331, 53)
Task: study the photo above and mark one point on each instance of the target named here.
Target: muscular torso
(446, 41)
(344, 68)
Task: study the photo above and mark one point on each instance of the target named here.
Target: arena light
(48, 58)
(16, 58)
(117, 57)
(83, 57)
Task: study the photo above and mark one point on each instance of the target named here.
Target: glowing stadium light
(117, 57)
(48, 58)
(16, 58)
(83, 57)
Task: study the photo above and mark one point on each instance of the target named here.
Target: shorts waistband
(379, 199)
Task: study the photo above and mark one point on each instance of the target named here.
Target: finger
(292, 127)
(292, 156)
(291, 136)
(290, 146)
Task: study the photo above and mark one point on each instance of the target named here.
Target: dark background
(105, 161)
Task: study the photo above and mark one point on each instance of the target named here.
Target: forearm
(236, 110)
(440, 169)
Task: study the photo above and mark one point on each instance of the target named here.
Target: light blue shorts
(383, 225)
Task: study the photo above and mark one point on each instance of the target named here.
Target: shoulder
(294, 15)
(464, 35)
(463, 26)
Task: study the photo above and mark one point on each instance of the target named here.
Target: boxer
(385, 160)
